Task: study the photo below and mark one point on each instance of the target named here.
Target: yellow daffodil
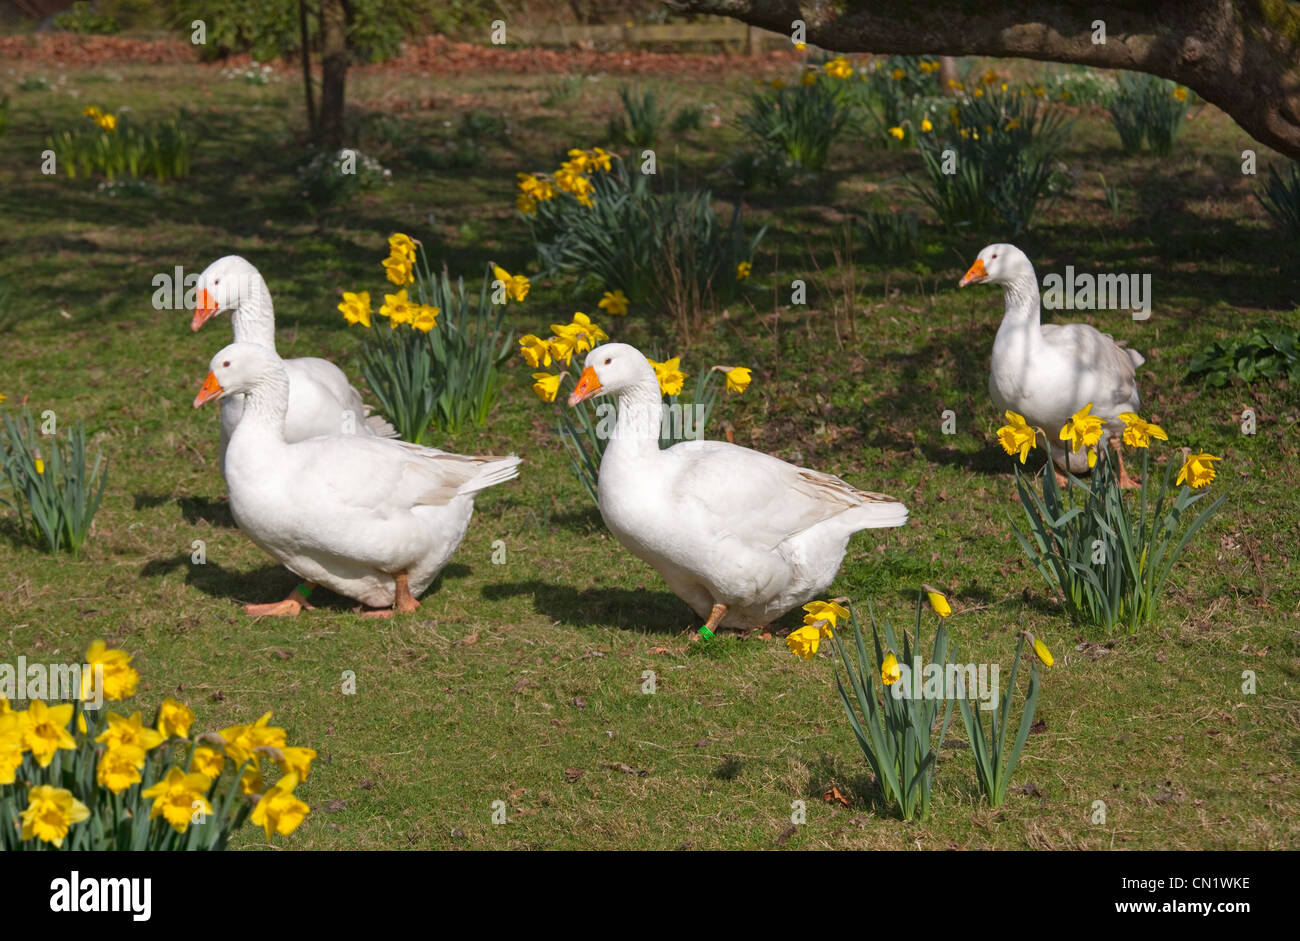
(1138, 432)
(242, 740)
(526, 204)
(1198, 470)
(742, 270)
(120, 678)
(547, 385)
(938, 601)
(898, 75)
(50, 813)
(777, 84)
(207, 761)
(614, 303)
(1013, 124)
(1083, 430)
(516, 285)
(600, 159)
(670, 377)
(978, 93)
(581, 332)
(989, 77)
(278, 811)
(397, 308)
(839, 68)
(177, 796)
(90, 111)
(926, 126)
(356, 307)
(535, 351)
(953, 83)
(250, 782)
(824, 610)
(897, 133)
(890, 671)
(174, 719)
(12, 727)
(40, 466)
(579, 160)
(738, 378)
(562, 348)
(1041, 651)
(129, 731)
(398, 269)
(107, 122)
(45, 731)
(297, 760)
(1180, 94)
(2, 398)
(120, 767)
(1017, 436)
(424, 317)
(804, 641)
(401, 245)
(572, 181)
(807, 80)
(801, 46)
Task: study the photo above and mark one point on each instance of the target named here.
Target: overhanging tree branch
(1242, 56)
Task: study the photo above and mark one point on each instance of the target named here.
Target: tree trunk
(334, 71)
(948, 75)
(304, 39)
(1243, 56)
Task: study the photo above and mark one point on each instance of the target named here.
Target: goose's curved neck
(1022, 302)
(640, 415)
(254, 319)
(266, 404)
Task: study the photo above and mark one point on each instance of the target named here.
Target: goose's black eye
(216, 282)
(995, 256)
(226, 364)
(608, 360)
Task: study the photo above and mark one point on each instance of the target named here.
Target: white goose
(740, 536)
(371, 518)
(321, 400)
(1047, 373)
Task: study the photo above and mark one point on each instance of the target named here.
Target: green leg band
(705, 632)
(305, 590)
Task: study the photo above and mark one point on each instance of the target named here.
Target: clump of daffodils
(573, 177)
(398, 308)
(73, 776)
(565, 342)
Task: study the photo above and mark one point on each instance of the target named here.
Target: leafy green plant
(1148, 108)
(994, 160)
(992, 769)
(54, 488)
(642, 121)
(898, 87)
(333, 177)
(4, 116)
(1280, 197)
(1109, 558)
(35, 83)
(81, 17)
(1267, 354)
(565, 88)
(799, 122)
(1076, 85)
(888, 234)
(443, 373)
(895, 732)
(1111, 193)
(119, 149)
(670, 249)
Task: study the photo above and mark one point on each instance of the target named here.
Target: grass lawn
(523, 682)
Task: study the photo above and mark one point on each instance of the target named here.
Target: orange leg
(290, 607)
(711, 624)
(403, 601)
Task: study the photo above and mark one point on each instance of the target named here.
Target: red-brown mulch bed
(436, 55)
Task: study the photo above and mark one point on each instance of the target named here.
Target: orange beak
(211, 390)
(975, 275)
(205, 308)
(588, 385)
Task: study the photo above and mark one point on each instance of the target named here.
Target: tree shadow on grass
(646, 612)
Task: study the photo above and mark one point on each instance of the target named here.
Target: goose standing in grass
(738, 535)
(370, 518)
(1048, 373)
(321, 400)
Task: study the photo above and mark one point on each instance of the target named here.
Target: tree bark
(1242, 56)
(334, 71)
(305, 38)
